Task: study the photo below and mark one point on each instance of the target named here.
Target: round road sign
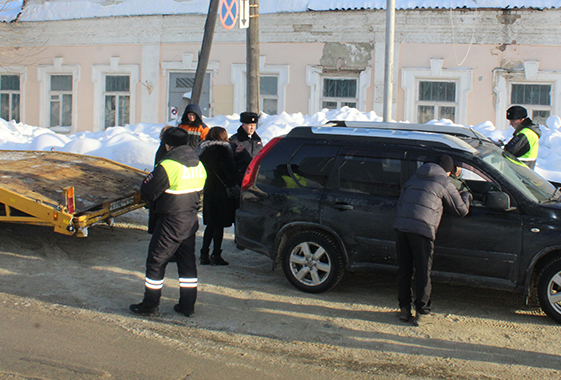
(228, 10)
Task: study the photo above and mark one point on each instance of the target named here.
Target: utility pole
(204, 54)
(252, 58)
(388, 70)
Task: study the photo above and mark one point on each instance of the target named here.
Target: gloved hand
(466, 197)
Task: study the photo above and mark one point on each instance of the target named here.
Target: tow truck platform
(68, 191)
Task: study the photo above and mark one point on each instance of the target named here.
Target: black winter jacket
(218, 159)
(519, 144)
(423, 198)
(252, 145)
(154, 186)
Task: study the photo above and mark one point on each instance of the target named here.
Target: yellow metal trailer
(67, 191)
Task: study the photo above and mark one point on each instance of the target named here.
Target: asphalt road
(64, 312)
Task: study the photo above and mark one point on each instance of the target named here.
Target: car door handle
(343, 206)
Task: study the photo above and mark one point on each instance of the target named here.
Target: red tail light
(251, 171)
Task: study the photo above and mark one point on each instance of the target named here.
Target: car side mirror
(497, 200)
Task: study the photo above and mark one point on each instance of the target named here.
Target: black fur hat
(175, 137)
(249, 117)
(516, 113)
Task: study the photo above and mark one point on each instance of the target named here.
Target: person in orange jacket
(192, 122)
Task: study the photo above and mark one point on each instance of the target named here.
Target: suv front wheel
(312, 262)
(549, 290)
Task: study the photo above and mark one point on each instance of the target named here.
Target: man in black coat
(173, 189)
(246, 142)
(419, 211)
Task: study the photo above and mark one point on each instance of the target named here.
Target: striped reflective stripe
(188, 282)
(169, 191)
(154, 284)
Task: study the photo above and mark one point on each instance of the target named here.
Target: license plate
(121, 203)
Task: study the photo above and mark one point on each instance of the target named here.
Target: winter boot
(216, 258)
(204, 260)
(149, 305)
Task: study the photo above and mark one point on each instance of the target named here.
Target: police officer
(174, 189)
(246, 142)
(525, 141)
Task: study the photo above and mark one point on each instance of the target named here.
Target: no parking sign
(228, 11)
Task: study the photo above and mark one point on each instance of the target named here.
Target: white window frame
(22, 73)
(60, 95)
(339, 100)
(410, 84)
(263, 97)
(44, 73)
(533, 107)
(117, 95)
(98, 78)
(314, 79)
(437, 105)
(240, 83)
(530, 74)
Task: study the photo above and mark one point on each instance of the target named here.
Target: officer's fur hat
(175, 137)
(516, 113)
(249, 117)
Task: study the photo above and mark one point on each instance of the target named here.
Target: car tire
(312, 262)
(549, 290)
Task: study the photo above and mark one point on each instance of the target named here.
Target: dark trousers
(174, 236)
(414, 255)
(213, 233)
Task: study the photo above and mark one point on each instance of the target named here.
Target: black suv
(322, 201)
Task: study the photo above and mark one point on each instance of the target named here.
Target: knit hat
(446, 162)
(249, 117)
(175, 137)
(516, 113)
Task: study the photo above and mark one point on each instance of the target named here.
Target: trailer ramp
(68, 191)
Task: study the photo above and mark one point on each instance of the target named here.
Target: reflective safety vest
(184, 179)
(533, 140)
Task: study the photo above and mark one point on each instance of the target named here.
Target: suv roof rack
(455, 130)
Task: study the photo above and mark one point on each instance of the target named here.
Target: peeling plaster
(343, 56)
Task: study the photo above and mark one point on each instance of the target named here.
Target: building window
(339, 92)
(436, 92)
(10, 97)
(437, 100)
(269, 94)
(536, 98)
(273, 81)
(181, 91)
(117, 100)
(61, 101)
(115, 88)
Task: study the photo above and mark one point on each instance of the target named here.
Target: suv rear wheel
(312, 262)
(549, 289)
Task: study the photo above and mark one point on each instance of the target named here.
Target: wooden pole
(252, 58)
(204, 54)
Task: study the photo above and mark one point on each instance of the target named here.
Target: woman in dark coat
(219, 209)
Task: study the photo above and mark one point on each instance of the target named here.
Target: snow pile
(135, 145)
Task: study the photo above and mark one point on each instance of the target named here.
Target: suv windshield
(525, 179)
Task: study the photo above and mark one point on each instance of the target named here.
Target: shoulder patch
(148, 178)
